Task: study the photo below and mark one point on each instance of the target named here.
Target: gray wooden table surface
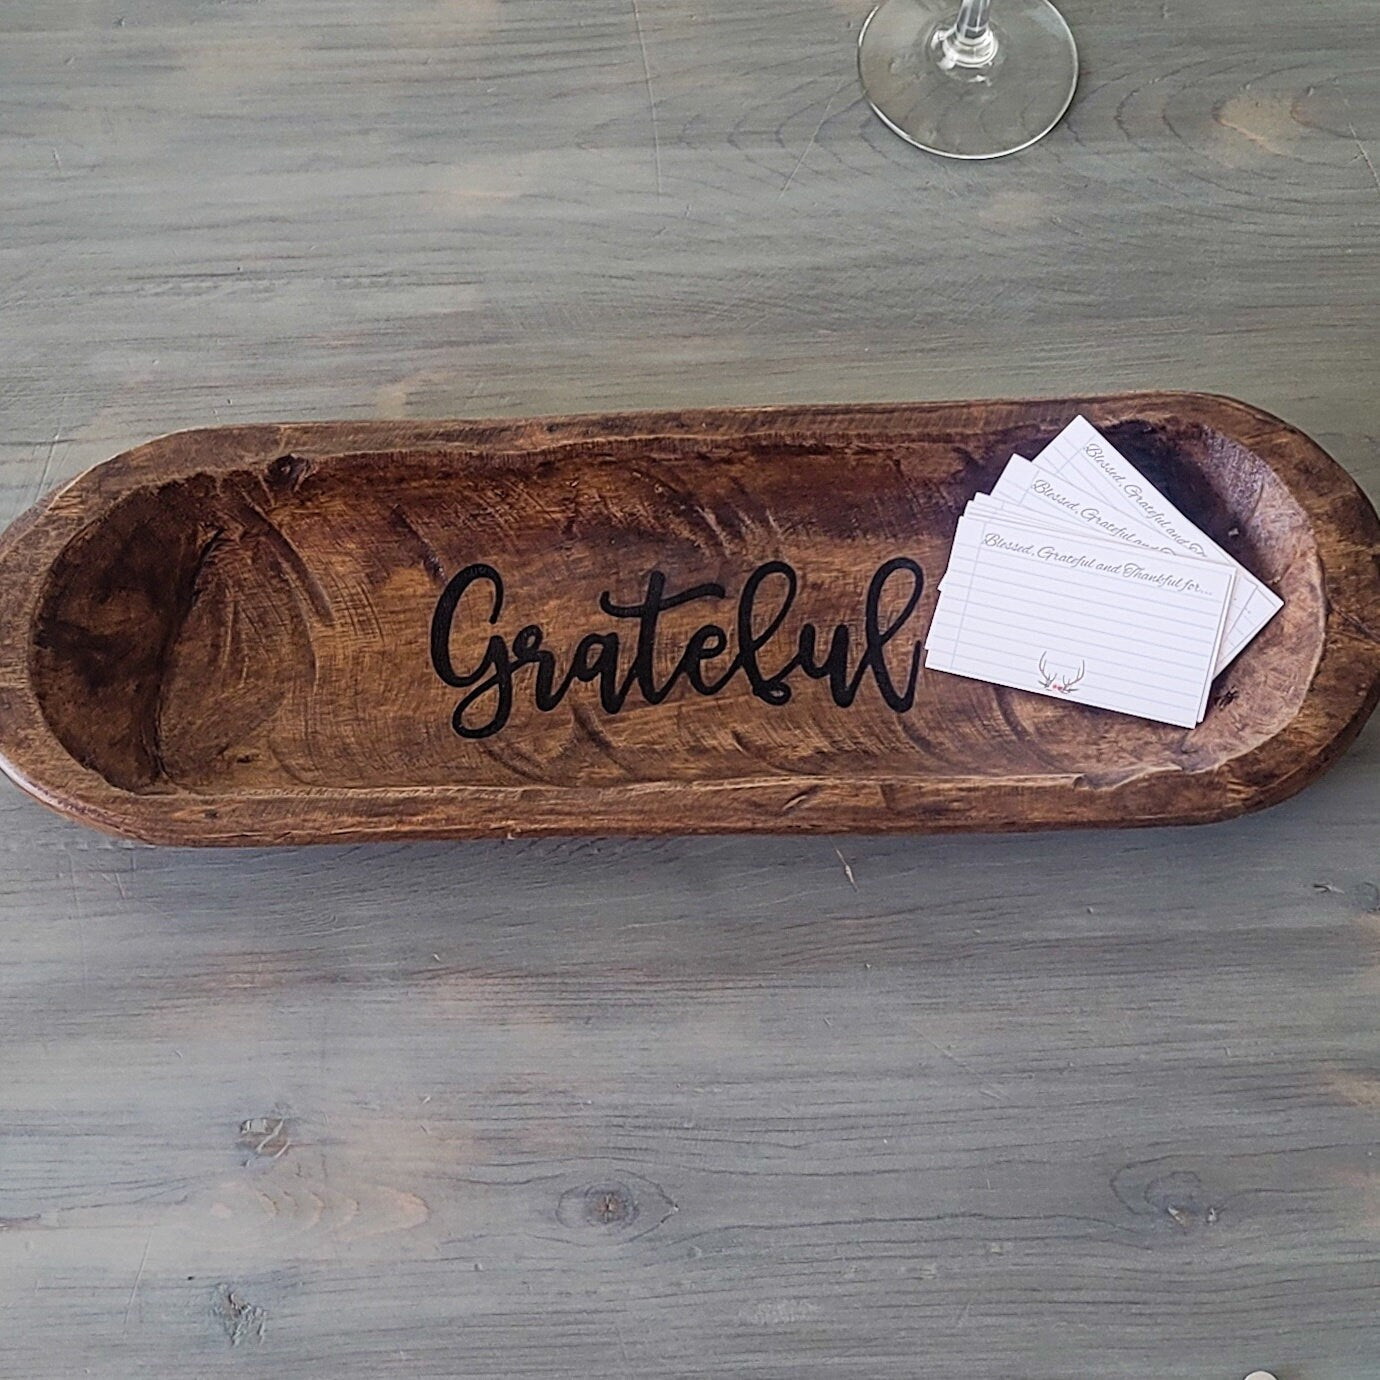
(1032, 1107)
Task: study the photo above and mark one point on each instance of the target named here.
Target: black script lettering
(757, 624)
(499, 677)
(596, 658)
(878, 637)
(772, 689)
(705, 644)
(653, 605)
(834, 665)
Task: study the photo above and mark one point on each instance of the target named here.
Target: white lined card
(1083, 456)
(1025, 485)
(1081, 619)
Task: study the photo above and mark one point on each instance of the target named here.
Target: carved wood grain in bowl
(225, 636)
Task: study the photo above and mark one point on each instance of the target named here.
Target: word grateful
(767, 597)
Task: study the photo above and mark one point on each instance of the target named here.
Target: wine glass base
(985, 111)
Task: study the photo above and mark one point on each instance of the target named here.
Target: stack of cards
(1076, 578)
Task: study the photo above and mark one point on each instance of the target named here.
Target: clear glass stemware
(969, 84)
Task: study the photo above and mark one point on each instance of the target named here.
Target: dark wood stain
(222, 637)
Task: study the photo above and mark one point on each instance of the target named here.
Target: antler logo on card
(1064, 682)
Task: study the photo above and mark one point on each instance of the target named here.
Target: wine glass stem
(972, 20)
(971, 42)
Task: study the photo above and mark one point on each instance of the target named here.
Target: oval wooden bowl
(263, 634)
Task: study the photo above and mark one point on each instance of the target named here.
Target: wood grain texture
(1038, 1106)
(257, 634)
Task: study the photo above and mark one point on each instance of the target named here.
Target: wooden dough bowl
(263, 634)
